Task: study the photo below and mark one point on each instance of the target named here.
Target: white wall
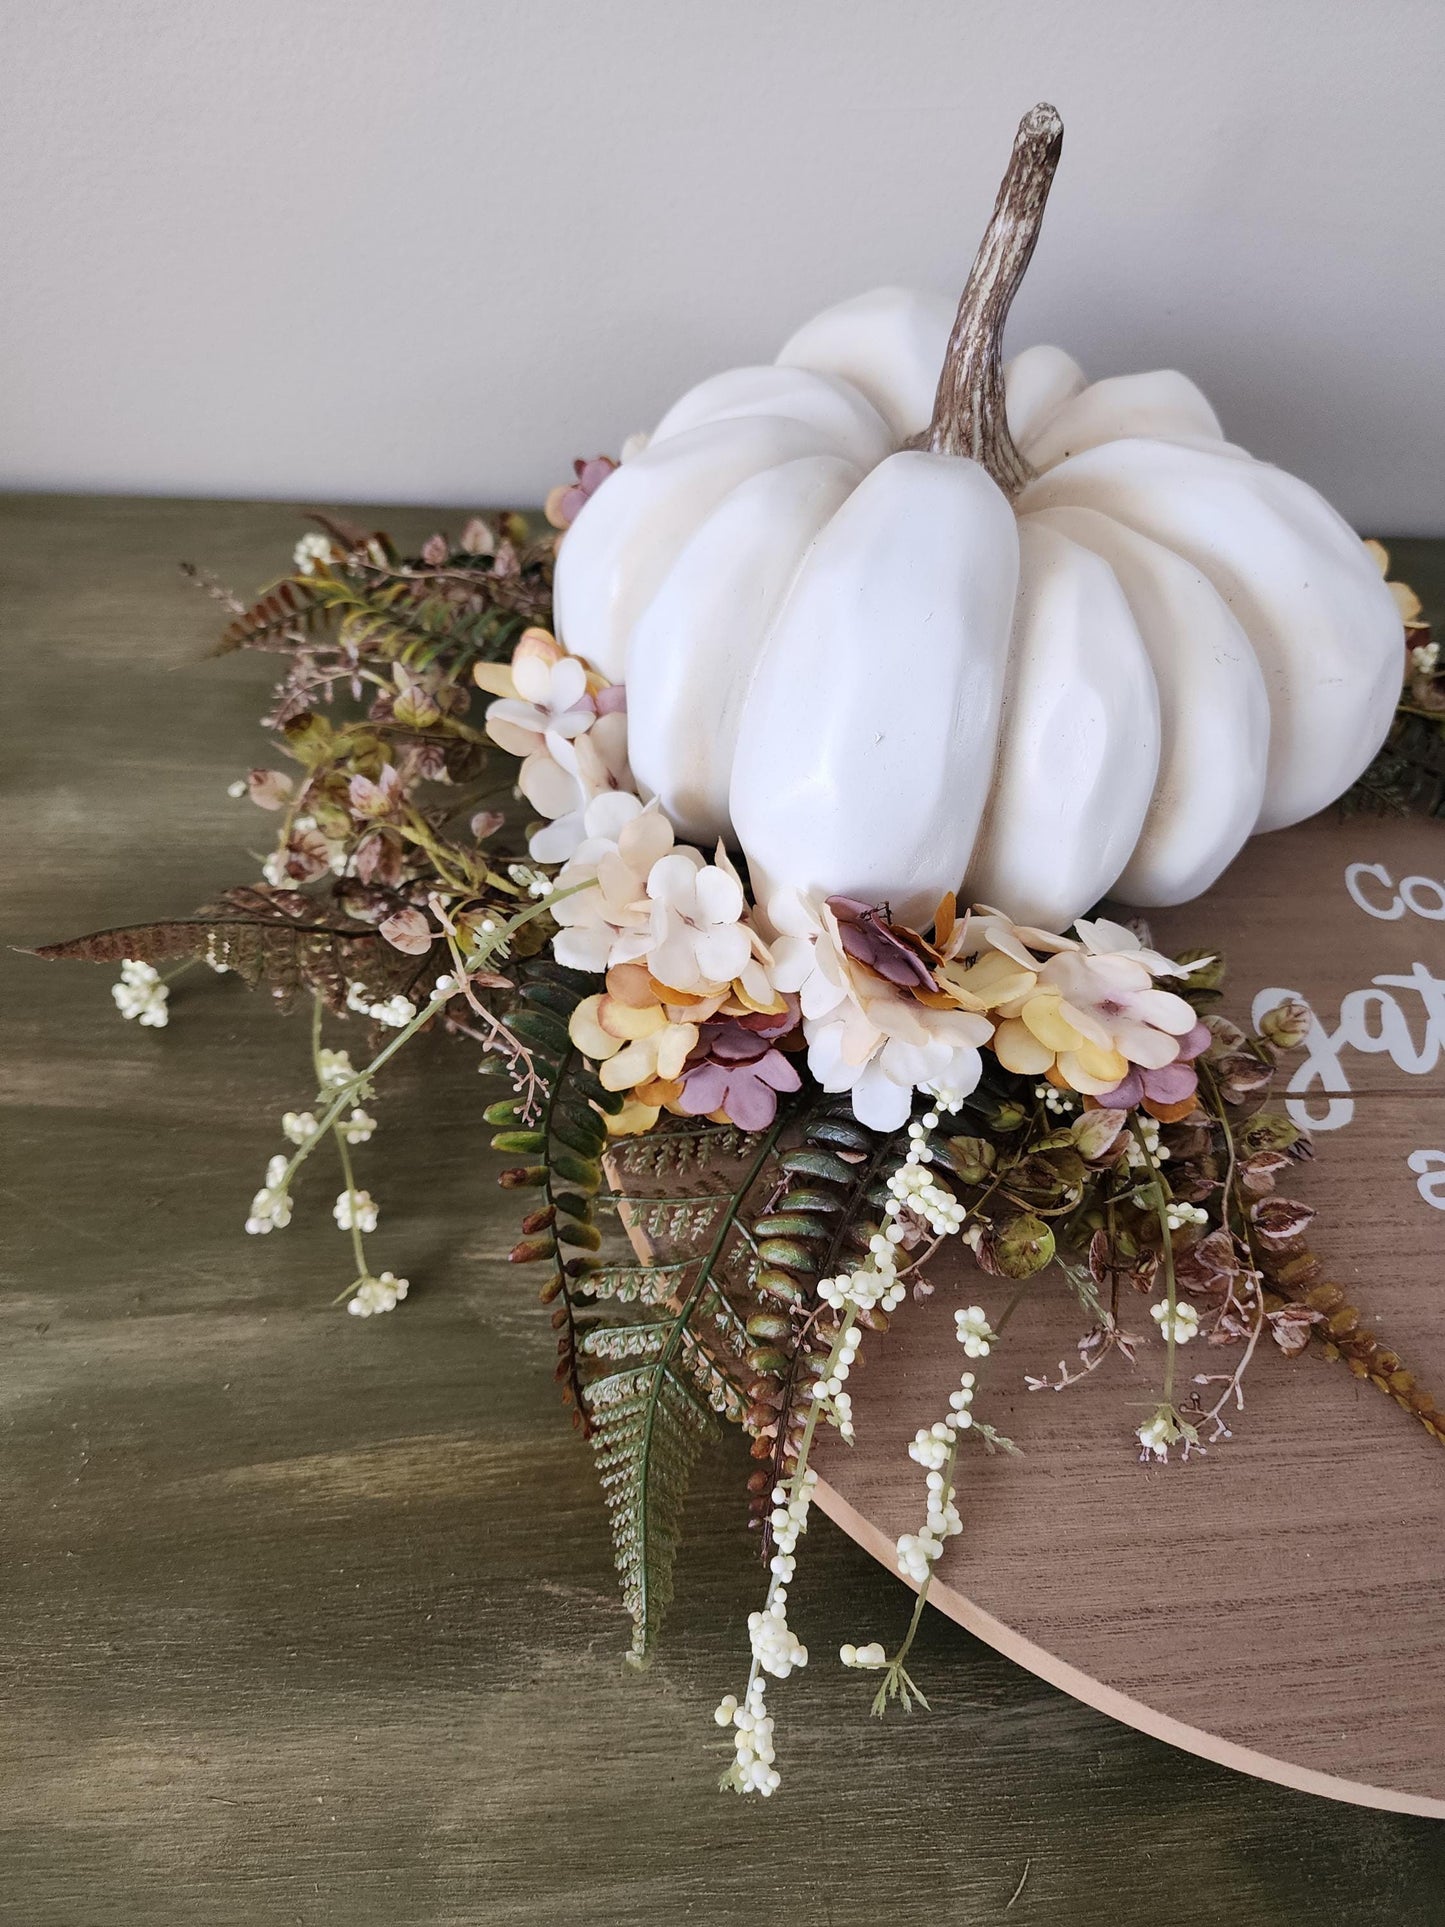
(431, 249)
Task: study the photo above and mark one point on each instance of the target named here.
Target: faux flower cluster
(709, 998)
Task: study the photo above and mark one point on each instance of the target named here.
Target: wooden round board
(1276, 1604)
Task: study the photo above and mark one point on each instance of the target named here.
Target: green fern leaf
(639, 1284)
(649, 1418)
(647, 1431)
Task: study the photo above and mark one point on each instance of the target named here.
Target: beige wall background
(431, 249)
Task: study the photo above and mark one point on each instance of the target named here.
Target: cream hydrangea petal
(646, 839)
(911, 1064)
(584, 1027)
(792, 962)
(719, 896)
(959, 1029)
(1087, 1022)
(1100, 934)
(570, 723)
(672, 958)
(602, 753)
(754, 988)
(1142, 1044)
(1017, 1049)
(825, 1057)
(878, 1102)
(623, 889)
(588, 947)
(533, 660)
(556, 842)
(673, 1047)
(569, 684)
(631, 1021)
(609, 814)
(672, 880)
(550, 789)
(1165, 1011)
(630, 945)
(722, 952)
(495, 677)
(790, 914)
(632, 1065)
(509, 730)
(962, 1073)
(563, 752)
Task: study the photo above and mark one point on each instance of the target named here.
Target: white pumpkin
(892, 633)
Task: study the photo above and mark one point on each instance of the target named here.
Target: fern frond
(1407, 777)
(647, 1431)
(281, 938)
(618, 1342)
(558, 1119)
(684, 1367)
(639, 1284)
(668, 1222)
(820, 1224)
(677, 1150)
(287, 614)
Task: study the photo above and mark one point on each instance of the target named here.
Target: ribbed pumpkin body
(868, 669)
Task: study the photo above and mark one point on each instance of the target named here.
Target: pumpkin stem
(968, 413)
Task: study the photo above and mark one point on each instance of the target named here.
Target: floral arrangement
(739, 1130)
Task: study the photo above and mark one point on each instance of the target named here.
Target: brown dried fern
(281, 938)
(1341, 1333)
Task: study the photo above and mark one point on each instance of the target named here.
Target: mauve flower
(745, 1093)
(1167, 1088)
(408, 930)
(564, 504)
(895, 953)
(269, 789)
(379, 798)
(736, 1070)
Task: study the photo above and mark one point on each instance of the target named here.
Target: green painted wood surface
(308, 1619)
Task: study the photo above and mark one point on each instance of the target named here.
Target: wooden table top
(311, 1619)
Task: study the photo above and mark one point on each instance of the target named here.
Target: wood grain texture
(312, 1620)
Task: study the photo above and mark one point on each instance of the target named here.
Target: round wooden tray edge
(1107, 1699)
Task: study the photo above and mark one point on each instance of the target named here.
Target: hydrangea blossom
(866, 1033)
(570, 731)
(609, 921)
(698, 938)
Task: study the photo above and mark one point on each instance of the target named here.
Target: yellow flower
(632, 1042)
(1042, 1041)
(984, 982)
(641, 1112)
(1406, 600)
